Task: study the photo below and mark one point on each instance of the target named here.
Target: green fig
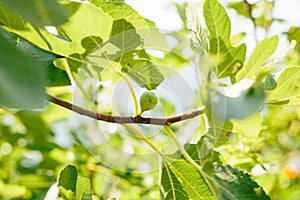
(148, 101)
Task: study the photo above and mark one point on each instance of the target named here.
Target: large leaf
(55, 76)
(224, 182)
(170, 187)
(21, 78)
(258, 58)
(144, 27)
(124, 47)
(86, 21)
(40, 13)
(183, 181)
(124, 37)
(288, 88)
(236, 184)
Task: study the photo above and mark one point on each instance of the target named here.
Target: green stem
(182, 150)
(140, 135)
(135, 102)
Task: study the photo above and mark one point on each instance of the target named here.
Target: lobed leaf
(124, 11)
(123, 37)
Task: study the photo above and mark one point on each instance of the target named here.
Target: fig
(148, 101)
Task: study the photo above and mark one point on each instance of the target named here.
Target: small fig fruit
(148, 101)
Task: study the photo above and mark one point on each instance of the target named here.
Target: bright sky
(164, 14)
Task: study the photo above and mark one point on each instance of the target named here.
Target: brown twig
(126, 119)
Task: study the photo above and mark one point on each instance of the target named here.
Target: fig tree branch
(125, 119)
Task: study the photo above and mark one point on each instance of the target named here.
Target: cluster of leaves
(97, 35)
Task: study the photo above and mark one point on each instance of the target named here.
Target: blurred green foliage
(36, 145)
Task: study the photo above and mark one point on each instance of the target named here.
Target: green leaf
(270, 83)
(236, 184)
(40, 13)
(55, 76)
(170, 187)
(226, 58)
(86, 21)
(217, 22)
(242, 8)
(192, 181)
(70, 183)
(76, 29)
(294, 34)
(215, 136)
(88, 61)
(144, 27)
(34, 124)
(124, 11)
(233, 62)
(180, 180)
(288, 88)
(249, 126)
(188, 184)
(258, 58)
(145, 73)
(124, 37)
(83, 189)
(21, 80)
(68, 177)
(236, 39)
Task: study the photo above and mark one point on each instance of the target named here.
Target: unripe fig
(148, 101)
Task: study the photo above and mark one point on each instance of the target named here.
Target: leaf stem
(182, 150)
(135, 102)
(141, 136)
